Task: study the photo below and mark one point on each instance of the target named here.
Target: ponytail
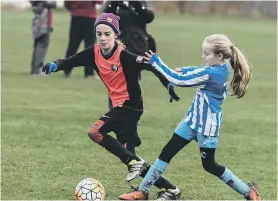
(242, 73)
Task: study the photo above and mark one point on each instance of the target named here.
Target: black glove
(173, 95)
(50, 67)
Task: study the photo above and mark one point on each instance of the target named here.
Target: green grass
(45, 148)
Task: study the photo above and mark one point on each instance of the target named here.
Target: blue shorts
(188, 133)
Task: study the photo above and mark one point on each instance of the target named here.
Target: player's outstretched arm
(84, 58)
(137, 63)
(193, 77)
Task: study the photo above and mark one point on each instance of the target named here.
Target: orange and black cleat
(135, 195)
(253, 193)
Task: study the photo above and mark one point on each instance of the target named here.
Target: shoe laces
(136, 166)
(254, 185)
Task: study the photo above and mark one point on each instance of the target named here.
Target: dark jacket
(134, 17)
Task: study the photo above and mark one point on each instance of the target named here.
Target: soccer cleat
(253, 193)
(170, 194)
(134, 195)
(135, 168)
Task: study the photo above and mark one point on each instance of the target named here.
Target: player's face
(210, 58)
(106, 37)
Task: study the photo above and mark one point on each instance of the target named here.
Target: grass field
(45, 148)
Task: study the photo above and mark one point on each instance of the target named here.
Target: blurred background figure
(41, 28)
(83, 17)
(135, 15)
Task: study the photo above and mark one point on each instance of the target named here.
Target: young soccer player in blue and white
(203, 119)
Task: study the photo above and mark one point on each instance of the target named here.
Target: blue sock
(235, 183)
(153, 174)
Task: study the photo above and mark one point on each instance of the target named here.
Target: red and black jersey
(119, 72)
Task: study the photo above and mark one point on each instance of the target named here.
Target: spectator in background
(134, 16)
(41, 27)
(83, 17)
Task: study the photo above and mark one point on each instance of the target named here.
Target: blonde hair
(242, 73)
(119, 42)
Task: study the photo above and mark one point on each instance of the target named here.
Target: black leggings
(176, 143)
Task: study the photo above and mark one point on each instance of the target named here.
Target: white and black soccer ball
(89, 190)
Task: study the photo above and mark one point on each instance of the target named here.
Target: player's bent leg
(248, 190)
(94, 132)
(130, 140)
(169, 192)
(175, 144)
(98, 133)
(209, 163)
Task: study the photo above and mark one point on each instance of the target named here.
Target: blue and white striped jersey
(205, 114)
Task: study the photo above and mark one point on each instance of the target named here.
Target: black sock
(161, 182)
(115, 147)
(130, 147)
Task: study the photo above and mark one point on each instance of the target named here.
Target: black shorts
(123, 122)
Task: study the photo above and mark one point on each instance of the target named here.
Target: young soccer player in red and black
(118, 69)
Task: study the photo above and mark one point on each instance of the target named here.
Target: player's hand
(48, 68)
(178, 70)
(173, 95)
(150, 57)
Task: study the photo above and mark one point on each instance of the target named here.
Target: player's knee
(208, 166)
(213, 168)
(94, 132)
(96, 137)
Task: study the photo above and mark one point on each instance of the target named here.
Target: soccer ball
(88, 190)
